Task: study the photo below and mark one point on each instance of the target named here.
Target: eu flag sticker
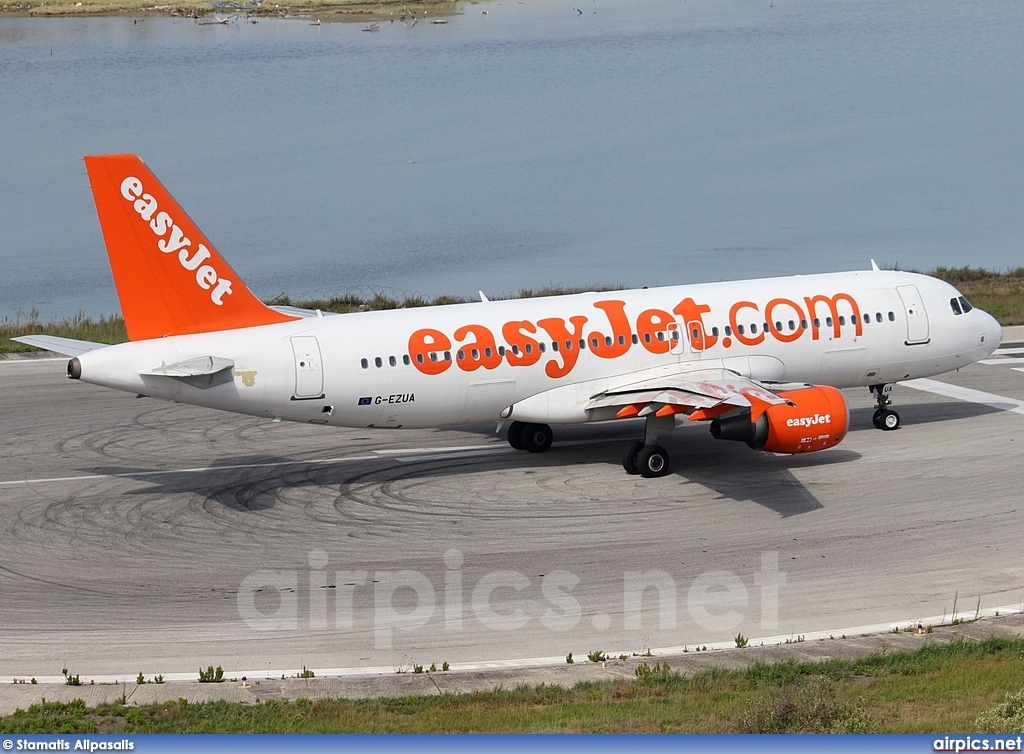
(365, 401)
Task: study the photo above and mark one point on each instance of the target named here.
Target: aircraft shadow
(922, 413)
(730, 470)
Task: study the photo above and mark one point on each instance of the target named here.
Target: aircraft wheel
(515, 434)
(629, 459)
(652, 461)
(876, 418)
(537, 437)
(890, 420)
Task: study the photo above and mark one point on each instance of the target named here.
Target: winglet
(170, 279)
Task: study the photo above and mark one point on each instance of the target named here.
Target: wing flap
(703, 394)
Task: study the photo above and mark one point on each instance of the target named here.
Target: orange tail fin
(170, 279)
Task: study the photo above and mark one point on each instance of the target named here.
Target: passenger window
(378, 363)
(364, 363)
(529, 348)
(488, 352)
(878, 316)
(739, 329)
(568, 345)
(728, 330)
(447, 355)
(842, 320)
(675, 335)
(476, 354)
(817, 322)
(405, 359)
(515, 350)
(541, 347)
(661, 335)
(695, 333)
(792, 326)
(595, 342)
(867, 318)
(635, 339)
(608, 340)
(622, 340)
(892, 317)
(433, 356)
(583, 344)
(419, 359)
(714, 331)
(955, 305)
(392, 361)
(554, 346)
(753, 329)
(461, 355)
(803, 324)
(778, 326)
(501, 350)
(647, 337)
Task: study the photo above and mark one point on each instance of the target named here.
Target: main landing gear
(644, 458)
(535, 438)
(647, 458)
(884, 418)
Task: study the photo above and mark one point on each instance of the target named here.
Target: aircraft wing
(65, 346)
(703, 394)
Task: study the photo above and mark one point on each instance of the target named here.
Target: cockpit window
(965, 305)
(955, 304)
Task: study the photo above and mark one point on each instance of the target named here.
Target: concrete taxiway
(137, 535)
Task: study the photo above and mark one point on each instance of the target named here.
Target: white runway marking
(4, 362)
(536, 662)
(966, 394)
(196, 470)
(435, 453)
(1003, 362)
(441, 450)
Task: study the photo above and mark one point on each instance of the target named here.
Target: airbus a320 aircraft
(759, 360)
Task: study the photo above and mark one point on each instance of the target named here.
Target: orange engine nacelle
(817, 420)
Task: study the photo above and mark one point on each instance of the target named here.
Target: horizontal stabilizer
(202, 365)
(298, 311)
(65, 346)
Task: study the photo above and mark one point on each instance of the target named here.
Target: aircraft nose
(993, 332)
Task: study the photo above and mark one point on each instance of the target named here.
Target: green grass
(112, 330)
(1001, 294)
(937, 688)
(80, 327)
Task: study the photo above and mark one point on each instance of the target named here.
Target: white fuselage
(456, 364)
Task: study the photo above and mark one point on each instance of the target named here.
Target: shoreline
(339, 11)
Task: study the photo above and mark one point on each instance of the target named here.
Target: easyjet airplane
(759, 360)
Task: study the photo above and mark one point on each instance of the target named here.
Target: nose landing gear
(884, 418)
